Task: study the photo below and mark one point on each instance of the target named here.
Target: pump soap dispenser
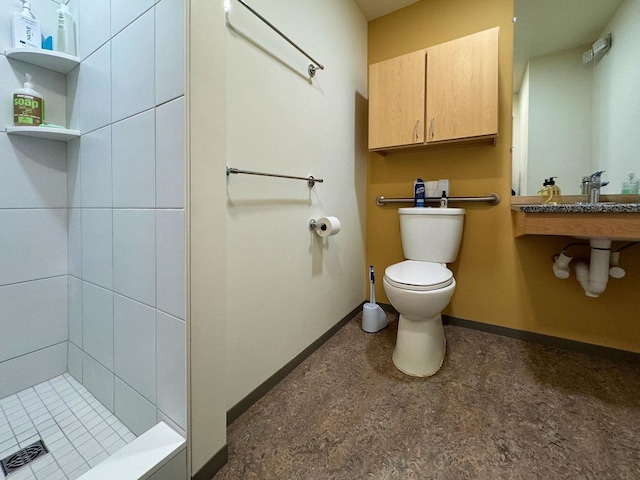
(28, 106)
(550, 190)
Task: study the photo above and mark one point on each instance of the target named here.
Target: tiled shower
(92, 237)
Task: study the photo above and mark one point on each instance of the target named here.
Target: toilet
(420, 287)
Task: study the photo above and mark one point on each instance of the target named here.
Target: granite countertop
(582, 208)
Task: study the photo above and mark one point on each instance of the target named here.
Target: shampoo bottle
(28, 106)
(66, 33)
(418, 192)
(26, 29)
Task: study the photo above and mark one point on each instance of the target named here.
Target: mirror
(571, 118)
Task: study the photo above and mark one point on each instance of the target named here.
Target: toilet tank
(431, 234)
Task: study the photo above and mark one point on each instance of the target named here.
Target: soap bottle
(418, 193)
(28, 106)
(27, 31)
(66, 33)
(631, 185)
(444, 201)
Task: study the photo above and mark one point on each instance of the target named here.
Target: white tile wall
(170, 148)
(74, 232)
(74, 184)
(170, 261)
(170, 46)
(23, 372)
(95, 169)
(133, 409)
(34, 243)
(74, 362)
(99, 381)
(97, 323)
(34, 316)
(135, 345)
(75, 311)
(32, 173)
(97, 246)
(172, 368)
(134, 261)
(132, 68)
(94, 87)
(123, 12)
(134, 161)
(94, 26)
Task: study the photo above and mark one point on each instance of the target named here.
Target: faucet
(591, 186)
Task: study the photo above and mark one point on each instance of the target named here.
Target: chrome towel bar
(311, 181)
(313, 67)
(491, 198)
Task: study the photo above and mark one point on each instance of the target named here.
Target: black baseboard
(244, 404)
(548, 340)
(213, 465)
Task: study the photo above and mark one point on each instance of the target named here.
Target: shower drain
(22, 457)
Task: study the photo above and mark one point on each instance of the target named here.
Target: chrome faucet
(591, 186)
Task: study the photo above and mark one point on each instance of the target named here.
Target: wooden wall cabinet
(442, 94)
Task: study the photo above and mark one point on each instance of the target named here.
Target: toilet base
(420, 346)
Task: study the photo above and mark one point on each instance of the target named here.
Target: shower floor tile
(77, 429)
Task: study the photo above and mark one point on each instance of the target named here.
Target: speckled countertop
(582, 208)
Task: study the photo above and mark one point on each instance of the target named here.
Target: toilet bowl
(421, 287)
(419, 291)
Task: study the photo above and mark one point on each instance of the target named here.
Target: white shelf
(56, 61)
(48, 133)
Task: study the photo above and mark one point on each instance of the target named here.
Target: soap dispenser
(28, 106)
(550, 190)
(631, 185)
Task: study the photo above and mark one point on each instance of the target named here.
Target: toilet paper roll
(326, 226)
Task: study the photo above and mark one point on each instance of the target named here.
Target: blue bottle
(418, 193)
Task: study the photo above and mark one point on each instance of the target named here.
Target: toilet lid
(422, 276)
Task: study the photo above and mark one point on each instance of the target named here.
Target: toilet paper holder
(315, 225)
(325, 226)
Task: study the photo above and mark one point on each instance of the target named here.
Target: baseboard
(548, 340)
(244, 404)
(212, 467)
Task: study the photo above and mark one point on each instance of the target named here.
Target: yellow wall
(501, 280)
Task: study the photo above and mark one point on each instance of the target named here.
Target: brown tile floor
(499, 408)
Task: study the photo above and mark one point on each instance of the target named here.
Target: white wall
(616, 99)
(126, 203)
(560, 108)
(33, 227)
(285, 286)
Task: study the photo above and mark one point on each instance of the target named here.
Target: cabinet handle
(432, 130)
(415, 130)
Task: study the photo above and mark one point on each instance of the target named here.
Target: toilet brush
(373, 317)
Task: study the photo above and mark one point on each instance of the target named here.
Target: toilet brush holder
(373, 318)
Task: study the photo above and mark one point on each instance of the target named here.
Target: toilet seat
(418, 276)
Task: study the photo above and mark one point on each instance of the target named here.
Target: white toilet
(420, 287)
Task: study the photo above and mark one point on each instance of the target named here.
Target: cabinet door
(462, 87)
(396, 101)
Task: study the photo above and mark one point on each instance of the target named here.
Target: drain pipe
(594, 277)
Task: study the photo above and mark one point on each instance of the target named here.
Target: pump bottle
(28, 106)
(27, 31)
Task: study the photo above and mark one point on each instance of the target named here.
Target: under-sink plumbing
(603, 263)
